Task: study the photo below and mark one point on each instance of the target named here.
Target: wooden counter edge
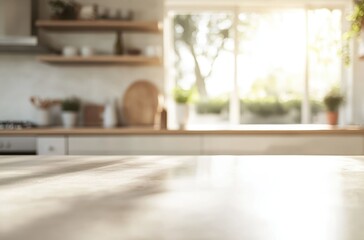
(136, 131)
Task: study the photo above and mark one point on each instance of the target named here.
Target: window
(256, 65)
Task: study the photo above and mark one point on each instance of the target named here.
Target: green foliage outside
(355, 19)
(204, 37)
(264, 107)
(212, 106)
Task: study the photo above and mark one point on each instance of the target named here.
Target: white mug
(88, 12)
(69, 51)
(153, 51)
(87, 51)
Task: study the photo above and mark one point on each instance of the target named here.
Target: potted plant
(64, 10)
(182, 98)
(332, 101)
(356, 19)
(70, 109)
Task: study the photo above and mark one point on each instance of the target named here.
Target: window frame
(235, 9)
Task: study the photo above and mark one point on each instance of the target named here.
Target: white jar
(69, 119)
(43, 117)
(109, 116)
(182, 115)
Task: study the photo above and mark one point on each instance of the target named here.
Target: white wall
(21, 76)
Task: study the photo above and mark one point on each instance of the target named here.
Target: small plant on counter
(70, 108)
(71, 105)
(182, 96)
(356, 19)
(332, 102)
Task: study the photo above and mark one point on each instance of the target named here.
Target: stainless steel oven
(18, 146)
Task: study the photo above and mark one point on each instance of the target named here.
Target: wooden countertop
(180, 198)
(246, 129)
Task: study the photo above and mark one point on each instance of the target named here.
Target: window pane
(279, 50)
(271, 66)
(324, 59)
(204, 64)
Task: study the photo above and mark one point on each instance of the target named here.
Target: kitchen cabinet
(52, 146)
(192, 143)
(135, 145)
(99, 145)
(283, 145)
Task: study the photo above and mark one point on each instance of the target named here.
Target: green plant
(182, 96)
(64, 9)
(71, 105)
(333, 100)
(212, 105)
(356, 19)
(265, 107)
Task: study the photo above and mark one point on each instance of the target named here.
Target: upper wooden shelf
(123, 60)
(100, 25)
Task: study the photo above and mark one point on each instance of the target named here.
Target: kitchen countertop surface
(192, 198)
(244, 129)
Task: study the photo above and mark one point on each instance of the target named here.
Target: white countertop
(172, 198)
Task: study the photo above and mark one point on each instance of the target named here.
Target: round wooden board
(141, 103)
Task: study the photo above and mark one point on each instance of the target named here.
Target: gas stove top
(13, 125)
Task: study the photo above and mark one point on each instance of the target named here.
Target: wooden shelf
(124, 60)
(100, 25)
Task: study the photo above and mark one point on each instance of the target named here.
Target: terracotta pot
(332, 118)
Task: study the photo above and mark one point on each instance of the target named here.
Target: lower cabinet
(202, 145)
(52, 146)
(283, 145)
(135, 145)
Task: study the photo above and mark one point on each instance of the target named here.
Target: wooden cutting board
(141, 103)
(92, 115)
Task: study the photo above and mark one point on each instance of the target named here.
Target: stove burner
(14, 125)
